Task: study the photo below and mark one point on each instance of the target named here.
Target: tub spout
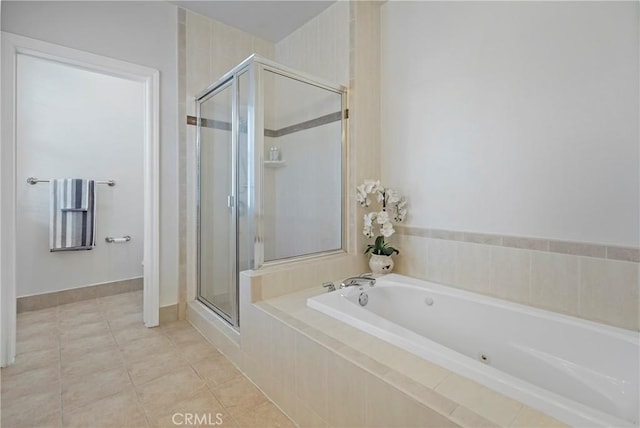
(357, 281)
(329, 286)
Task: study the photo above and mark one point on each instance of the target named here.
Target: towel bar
(33, 181)
(113, 240)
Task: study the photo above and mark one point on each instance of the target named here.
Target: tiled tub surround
(527, 354)
(591, 281)
(323, 372)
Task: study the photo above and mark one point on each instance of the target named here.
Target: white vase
(380, 264)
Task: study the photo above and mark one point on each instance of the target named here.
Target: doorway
(58, 106)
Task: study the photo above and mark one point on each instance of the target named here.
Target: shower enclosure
(271, 145)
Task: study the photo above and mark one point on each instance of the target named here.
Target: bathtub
(580, 372)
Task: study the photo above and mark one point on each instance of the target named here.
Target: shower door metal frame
(229, 82)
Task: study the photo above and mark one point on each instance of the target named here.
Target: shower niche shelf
(275, 164)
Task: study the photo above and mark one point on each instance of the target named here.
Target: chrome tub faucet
(355, 281)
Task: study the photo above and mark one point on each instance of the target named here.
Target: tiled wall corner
(364, 139)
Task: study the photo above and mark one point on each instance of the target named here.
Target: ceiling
(267, 19)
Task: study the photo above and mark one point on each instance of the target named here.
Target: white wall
(78, 123)
(517, 118)
(143, 33)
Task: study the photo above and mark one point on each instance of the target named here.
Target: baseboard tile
(56, 298)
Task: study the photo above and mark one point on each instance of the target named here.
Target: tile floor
(94, 364)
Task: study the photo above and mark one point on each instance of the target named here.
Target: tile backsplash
(590, 281)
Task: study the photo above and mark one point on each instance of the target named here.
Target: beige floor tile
(186, 337)
(41, 379)
(37, 342)
(202, 405)
(44, 401)
(174, 326)
(36, 318)
(134, 297)
(81, 390)
(67, 322)
(238, 395)
(32, 360)
(36, 419)
(83, 307)
(133, 332)
(119, 311)
(168, 389)
(155, 366)
(40, 409)
(78, 348)
(91, 362)
(195, 352)
(142, 348)
(125, 321)
(41, 329)
(266, 415)
(78, 331)
(118, 410)
(216, 370)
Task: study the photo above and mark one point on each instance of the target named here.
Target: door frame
(12, 46)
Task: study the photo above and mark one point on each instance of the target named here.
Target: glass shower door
(217, 213)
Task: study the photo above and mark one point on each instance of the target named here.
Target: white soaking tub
(580, 372)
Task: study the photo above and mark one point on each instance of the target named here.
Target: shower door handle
(231, 202)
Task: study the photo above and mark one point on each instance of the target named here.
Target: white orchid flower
(368, 218)
(368, 231)
(382, 217)
(361, 196)
(402, 214)
(394, 209)
(393, 197)
(387, 230)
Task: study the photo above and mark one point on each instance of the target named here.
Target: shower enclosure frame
(255, 66)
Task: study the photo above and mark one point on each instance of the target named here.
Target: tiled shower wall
(593, 282)
(321, 46)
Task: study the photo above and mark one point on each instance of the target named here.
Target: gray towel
(70, 227)
(75, 194)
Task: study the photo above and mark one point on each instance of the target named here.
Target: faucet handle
(330, 286)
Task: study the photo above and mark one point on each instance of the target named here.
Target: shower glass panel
(254, 207)
(302, 183)
(217, 270)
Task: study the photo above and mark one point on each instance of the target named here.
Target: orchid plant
(394, 210)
